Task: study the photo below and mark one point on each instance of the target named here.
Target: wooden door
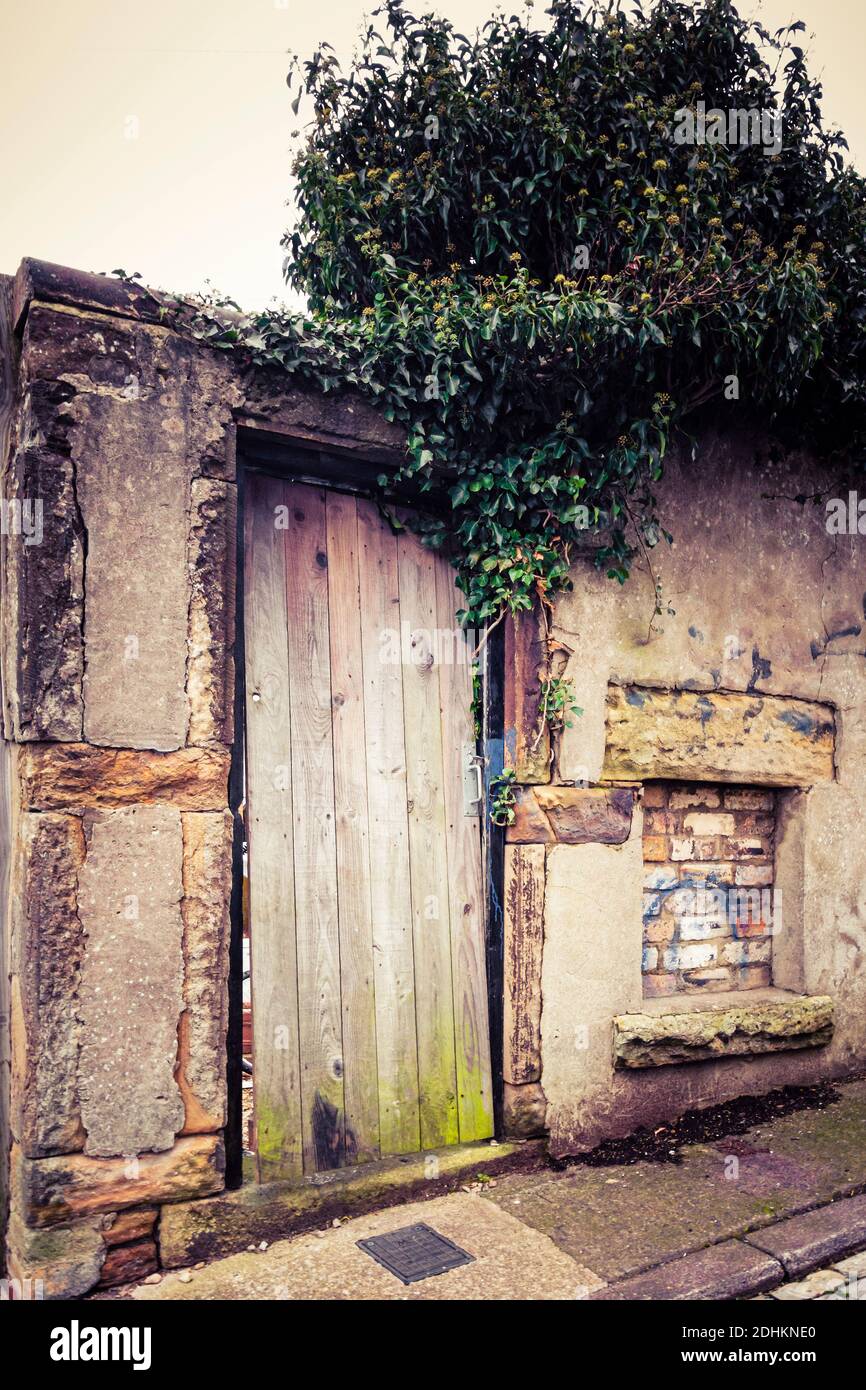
(366, 908)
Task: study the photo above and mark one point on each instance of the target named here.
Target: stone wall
(116, 655)
(753, 675)
(117, 633)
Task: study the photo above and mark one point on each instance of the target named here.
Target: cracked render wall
(118, 688)
(763, 602)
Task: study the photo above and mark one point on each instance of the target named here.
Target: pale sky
(156, 137)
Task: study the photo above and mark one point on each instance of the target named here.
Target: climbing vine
(501, 240)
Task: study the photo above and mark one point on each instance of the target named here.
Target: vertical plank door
(367, 932)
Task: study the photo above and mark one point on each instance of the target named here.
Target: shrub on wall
(542, 248)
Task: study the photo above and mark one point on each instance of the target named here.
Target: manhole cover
(415, 1252)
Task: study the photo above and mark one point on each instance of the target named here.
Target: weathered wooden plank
(316, 922)
(428, 857)
(524, 940)
(277, 1094)
(399, 1122)
(353, 849)
(465, 885)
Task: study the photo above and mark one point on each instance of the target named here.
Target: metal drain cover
(415, 1252)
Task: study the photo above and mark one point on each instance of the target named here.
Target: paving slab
(510, 1262)
(818, 1237)
(623, 1220)
(729, 1270)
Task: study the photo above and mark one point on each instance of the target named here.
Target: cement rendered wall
(766, 602)
(118, 685)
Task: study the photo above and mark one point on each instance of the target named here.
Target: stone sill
(706, 1028)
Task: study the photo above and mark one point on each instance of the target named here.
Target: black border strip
(234, 1137)
(494, 839)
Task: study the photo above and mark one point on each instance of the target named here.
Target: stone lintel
(717, 736)
(737, 1027)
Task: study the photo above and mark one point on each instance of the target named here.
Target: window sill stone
(736, 1024)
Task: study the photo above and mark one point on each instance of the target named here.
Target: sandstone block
(54, 1191)
(728, 737)
(210, 671)
(207, 873)
(47, 954)
(590, 815)
(131, 980)
(78, 776)
(67, 1260)
(530, 825)
(135, 631)
(571, 815)
(524, 1110)
(43, 583)
(736, 1029)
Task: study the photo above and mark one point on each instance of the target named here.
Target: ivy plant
(502, 241)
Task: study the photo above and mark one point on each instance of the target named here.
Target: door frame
(298, 460)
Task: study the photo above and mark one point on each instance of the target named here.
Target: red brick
(659, 986)
(694, 796)
(655, 849)
(709, 981)
(754, 977)
(738, 799)
(655, 794)
(755, 847)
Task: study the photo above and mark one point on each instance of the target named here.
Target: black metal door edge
(493, 750)
(234, 1137)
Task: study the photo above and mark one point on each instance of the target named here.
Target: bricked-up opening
(709, 900)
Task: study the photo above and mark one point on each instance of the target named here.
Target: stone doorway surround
(118, 723)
